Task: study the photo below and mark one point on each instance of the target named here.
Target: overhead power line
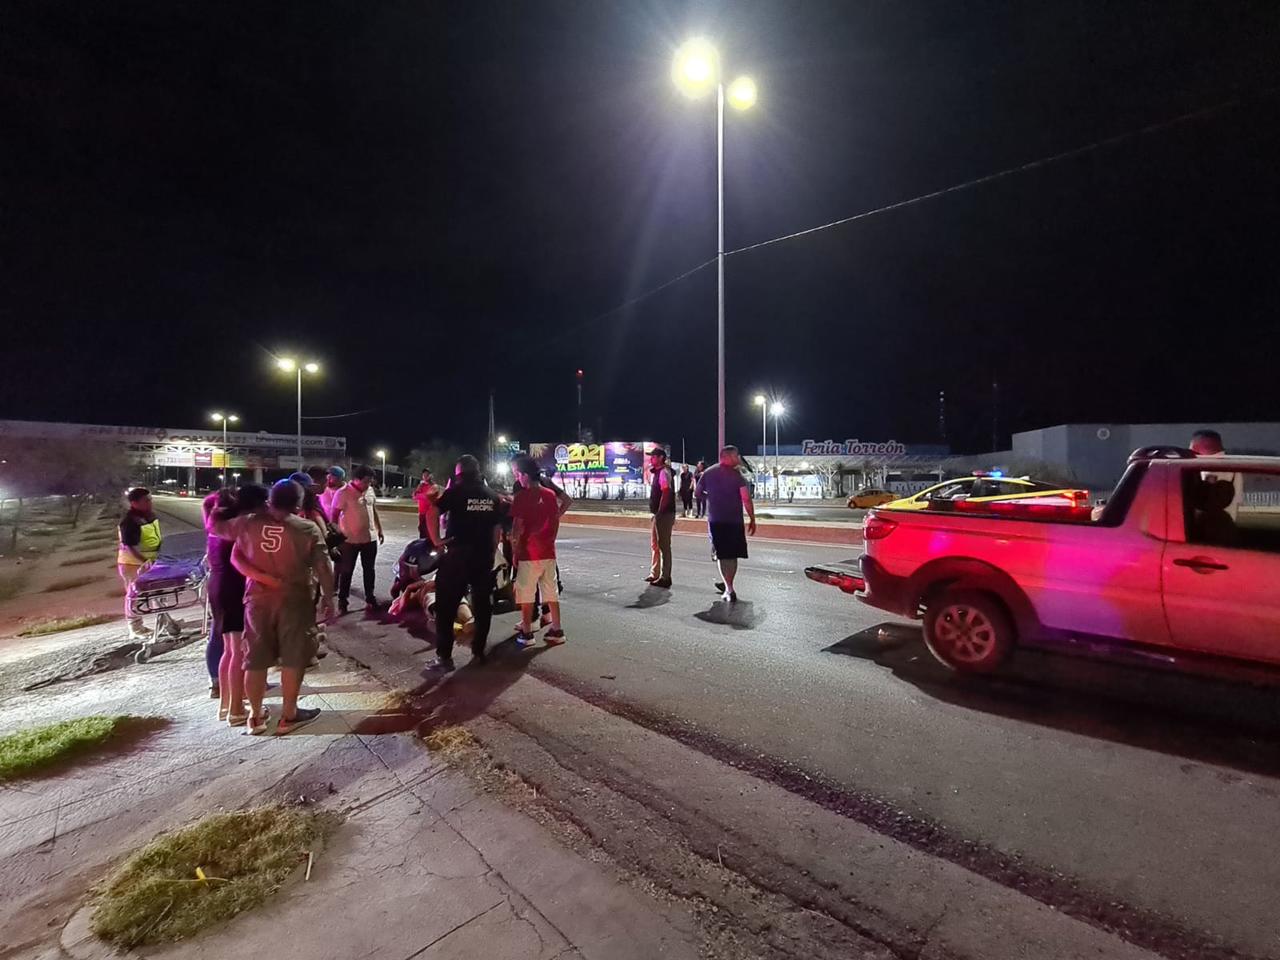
(1000, 175)
(934, 194)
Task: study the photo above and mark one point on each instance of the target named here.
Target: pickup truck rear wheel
(968, 630)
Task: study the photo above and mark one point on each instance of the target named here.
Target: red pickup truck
(1181, 568)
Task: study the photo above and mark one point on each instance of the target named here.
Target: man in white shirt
(354, 511)
(1208, 443)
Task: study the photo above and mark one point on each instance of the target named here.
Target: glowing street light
(290, 365)
(695, 71)
(225, 418)
(382, 455)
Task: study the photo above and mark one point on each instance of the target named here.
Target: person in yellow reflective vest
(139, 546)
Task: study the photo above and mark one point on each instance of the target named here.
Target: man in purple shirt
(726, 493)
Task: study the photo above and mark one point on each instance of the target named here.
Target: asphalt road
(1156, 792)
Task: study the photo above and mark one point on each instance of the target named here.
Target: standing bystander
(355, 513)
(727, 495)
(686, 490)
(279, 553)
(662, 504)
(473, 513)
(140, 540)
(535, 513)
(699, 496)
(334, 480)
(425, 492)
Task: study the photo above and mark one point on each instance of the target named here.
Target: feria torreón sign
(851, 448)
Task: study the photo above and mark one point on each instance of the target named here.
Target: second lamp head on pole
(696, 72)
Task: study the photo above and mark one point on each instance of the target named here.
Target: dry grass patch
(204, 874)
(58, 625)
(36, 751)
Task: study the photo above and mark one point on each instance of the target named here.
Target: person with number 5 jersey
(279, 552)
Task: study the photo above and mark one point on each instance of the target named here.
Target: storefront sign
(613, 462)
(851, 448)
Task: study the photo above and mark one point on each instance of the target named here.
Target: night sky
(436, 199)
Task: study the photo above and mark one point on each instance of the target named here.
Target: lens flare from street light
(503, 468)
(778, 409)
(312, 368)
(215, 416)
(233, 418)
(695, 68)
(288, 364)
(742, 93)
(381, 454)
(502, 438)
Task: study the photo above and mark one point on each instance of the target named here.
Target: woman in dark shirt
(226, 602)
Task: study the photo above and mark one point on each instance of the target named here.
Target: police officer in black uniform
(474, 513)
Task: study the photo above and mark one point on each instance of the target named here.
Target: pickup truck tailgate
(845, 574)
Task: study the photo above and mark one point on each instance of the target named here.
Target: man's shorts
(728, 541)
(279, 628)
(536, 576)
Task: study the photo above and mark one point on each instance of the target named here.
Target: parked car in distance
(870, 497)
(1179, 570)
(981, 486)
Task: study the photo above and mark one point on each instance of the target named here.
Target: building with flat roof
(194, 449)
(1096, 453)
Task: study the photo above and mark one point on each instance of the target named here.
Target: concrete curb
(846, 533)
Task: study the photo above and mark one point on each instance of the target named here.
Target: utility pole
(493, 433)
(578, 437)
(942, 416)
(995, 416)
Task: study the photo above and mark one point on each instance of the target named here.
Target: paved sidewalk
(422, 865)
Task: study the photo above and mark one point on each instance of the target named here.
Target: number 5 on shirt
(272, 538)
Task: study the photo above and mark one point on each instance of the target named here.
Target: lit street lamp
(382, 455)
(695, 71)
(778, 409)
(232, 418)
(289, 365)
(762, 402)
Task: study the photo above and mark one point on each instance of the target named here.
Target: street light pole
(762, 402)
(695, 70)
(288, 364)
(382, 455)
(720, 400)
(225, 456)
(777, 410)
(299, 417)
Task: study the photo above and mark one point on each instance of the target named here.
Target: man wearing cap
(278, 553)
(662, 504)
(333, 482)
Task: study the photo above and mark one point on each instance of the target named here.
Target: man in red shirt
(535, 514)
(427, 490)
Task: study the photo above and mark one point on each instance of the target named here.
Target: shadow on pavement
(466, 693)
(741, 615)
(1193, 717)
(651, 597)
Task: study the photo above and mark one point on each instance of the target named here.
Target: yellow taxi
(871, 497)
(983, 487)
